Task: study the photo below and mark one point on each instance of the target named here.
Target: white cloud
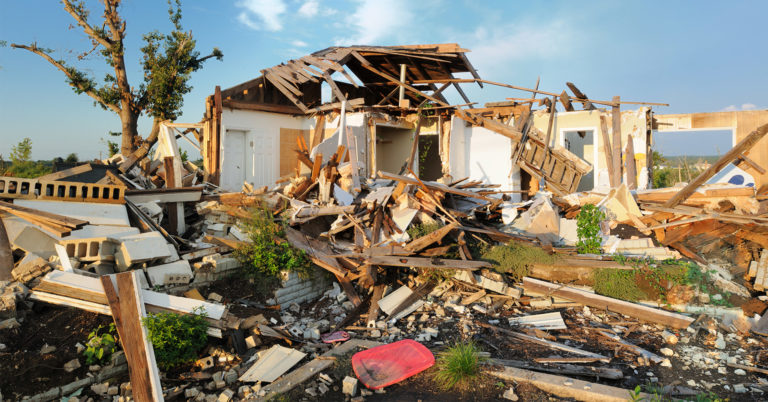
(735, 108)
(374, 20)
(748, 106)
(498, 47)
(267, 12)
(299, 43)
(309, 9)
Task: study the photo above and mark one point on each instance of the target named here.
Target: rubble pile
(584, 295)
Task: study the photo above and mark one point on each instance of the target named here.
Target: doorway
(430, 166)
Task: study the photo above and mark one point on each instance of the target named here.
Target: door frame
(595, 147)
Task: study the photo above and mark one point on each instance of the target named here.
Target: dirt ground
(23, 370)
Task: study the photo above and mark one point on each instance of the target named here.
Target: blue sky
(697, 56)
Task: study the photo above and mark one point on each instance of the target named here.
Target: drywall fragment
(272, 364)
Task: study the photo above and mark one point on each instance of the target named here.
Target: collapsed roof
(297, 83)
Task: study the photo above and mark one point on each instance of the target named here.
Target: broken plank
(645, 313)
(395, 261)
(544, 342)
(566, 387)
(145, 377)
(433, 186)
(599, 372)
(748, 142)
(425, 241)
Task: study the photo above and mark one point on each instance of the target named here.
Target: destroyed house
(385, 105)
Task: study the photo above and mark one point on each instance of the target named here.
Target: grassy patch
(515, 258)
(618, 283)
(423, 229)
(458, 365)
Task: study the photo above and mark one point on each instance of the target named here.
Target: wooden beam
(576, 92)
(145, 378)
(173, 211)
(264, 107)
(607, 150)
(748, 142)
(425, 241)
(641, 312)
(629, 164)
(403, 261)
(616, 141)
(566, 101)
(433, 186)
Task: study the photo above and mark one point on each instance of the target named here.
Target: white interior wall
(261, 145)
(484, 155)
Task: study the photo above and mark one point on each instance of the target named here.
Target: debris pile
(333, 284)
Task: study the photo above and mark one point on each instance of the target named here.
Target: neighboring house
(251, 130)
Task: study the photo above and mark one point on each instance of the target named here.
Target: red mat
(389, 364)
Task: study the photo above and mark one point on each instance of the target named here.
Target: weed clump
(176, 338)
(588, 229)
(458, 365)
(618, 283)
(268, 252)
(516, 258)
(101, 344)
(422, 229)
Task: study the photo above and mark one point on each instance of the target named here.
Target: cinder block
(141, 248)
(175, 273)
(91, 249)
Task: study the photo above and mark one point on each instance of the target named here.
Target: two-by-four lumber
(630, 166)
(641, 312)
(420, 262)
(607, 150)
(433, 186)
(748, 142)
(425, 241)
(145, 378)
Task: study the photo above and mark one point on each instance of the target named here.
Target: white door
(233, 167)
(262, 161)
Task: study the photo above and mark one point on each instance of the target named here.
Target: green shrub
(176, 338)
(618, 283)
(268, 253)
(588, 229)
(516, 258)
(458, 365)
(101, 344)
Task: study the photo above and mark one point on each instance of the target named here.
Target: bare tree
(167, 60)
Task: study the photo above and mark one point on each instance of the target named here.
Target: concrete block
(175, 273)
(349, 386)
(35, 241)
(91, 249)
(141, 248)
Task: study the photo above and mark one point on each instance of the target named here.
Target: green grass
(516, 258)
(458, 365)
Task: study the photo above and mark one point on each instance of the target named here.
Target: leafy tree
(72, 158)
(168, 60)
(22, 151)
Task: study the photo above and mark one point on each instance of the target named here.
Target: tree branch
(73, 80)
(80, 18)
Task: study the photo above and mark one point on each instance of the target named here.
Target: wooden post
(616, 114)
(607, 150)
(172, 207)
(745, 144)
(629, 161)
(401, 95)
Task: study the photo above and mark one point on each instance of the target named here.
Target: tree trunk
(130, 131)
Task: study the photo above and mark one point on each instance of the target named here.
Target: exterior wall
(633, 122)
(262, 132)
(742, 123)
(484, 155)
